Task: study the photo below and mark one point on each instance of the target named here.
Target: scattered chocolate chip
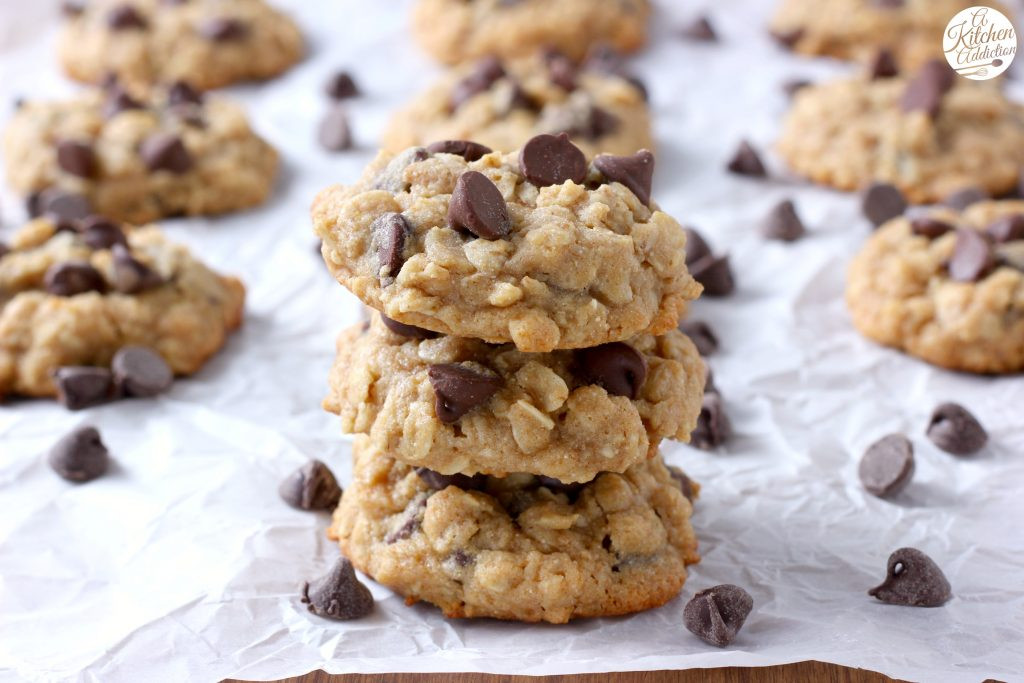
(788, 38)
(913, 579)
(484, 75)
(616, 367)
(439, 482)
(478, 206)
(700, 30)
(561, 70)
(1007, 229)
(470, 151)
(552, 160)
(82, 386)
(701, 334)
(571, 489)
(118, 100)
(223, 29)
(459, 389)
(955, 430)
(66, 209)
(101, 233)
(77, 158)
(881, 202)
(334, 133)
(925, 90)
(388, 234)
(746, 161)
(391, 178)
(791, 86)
(132, 276)
(715, 273)
(961, 199)
(181, 92)
(165, 152)
(635, 171)
(311, 487)
(125, 17)
(783, 223)
(338, 594)
(696, 246)
(341, 86)
(883, 65)
(141, 372)
(713, 426)
(887, 466)
(715, 615)
(73, 277)
(685, 483)
(931, 228)
(973, 257)
(411, 331)
(80, 456)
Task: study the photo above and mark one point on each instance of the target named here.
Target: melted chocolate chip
(635, 171)
(72, 278)
(616, 367)
(77, 158)
(470, 151)
(552, 160)
(404, 330)
(478, 206)
(459, 389)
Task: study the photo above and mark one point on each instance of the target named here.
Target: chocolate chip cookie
(454, 31)
(75, 291)
(521, 547)
(459, 405)
(502, 104)
(206, 43)
(138, 158)
(929, 134)
(538, 246)
(946, 286)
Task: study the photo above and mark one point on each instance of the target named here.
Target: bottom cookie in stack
(521, 547)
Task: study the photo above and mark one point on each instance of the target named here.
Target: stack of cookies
(519, 368)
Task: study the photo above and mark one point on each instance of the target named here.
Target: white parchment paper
(183, 564)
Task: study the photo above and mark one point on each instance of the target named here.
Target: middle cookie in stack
(553, 277)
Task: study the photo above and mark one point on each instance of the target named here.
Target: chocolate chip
(715, 273)
(1007, 229)
(410, 521)
(887, 466)
(913, 579)
(616, 367)
(80, 456)
(73, 277)
(571, 489)
(477, 206)
(961, 199)
(141, 372)
(165, 152)
(552, 160)
(973, 257)
(788, 38)
(684, 482)
(66, 209)
(334, 133)
(4, 250)
(403, 330)
(713, 426)
(484, 75)
(696, 246)
(604, 58)
(700, 30)
(388, 234)
(470, 151)
(783, 223)
(883, 65)
(82, 386)
(77, 158)
(881, 202)
(459, 389)
(746, 161)
(311, 487)
(341, 86)
(954, 430)
(223, 29)
(132, 276)
(391, 178)
(338, 594)
(182, 93)
(439, 482)
(101, 233)
(72, 8)
(561, 70)
(715, 615)
(125, 17)
(791, 86)
(597, 124)
(701, 334)
(931, 228)
(889, 4)
(117, 101)
(925, 90)
(635, 171)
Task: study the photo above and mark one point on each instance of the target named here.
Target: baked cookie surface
(570, 259)
(206, 43)
(137, 159)
(74, 297)
(518, 548)
(504, 104)
(550, 413)
(849, 133)
(946, 287)
(454, 31)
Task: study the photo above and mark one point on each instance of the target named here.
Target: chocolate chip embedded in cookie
(454, 404)
(940, 287)
(535, 246)
(520, 547)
